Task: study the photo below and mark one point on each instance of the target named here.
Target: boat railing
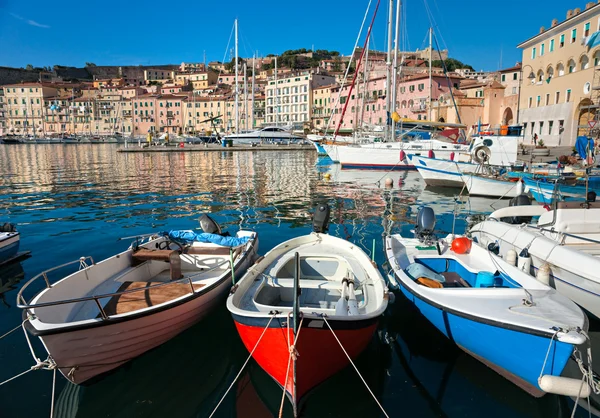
(23, 304)
(564, 234)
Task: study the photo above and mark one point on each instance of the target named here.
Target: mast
(389, 67)
(395, 73)
(276, 96)
(253, 89)
(245, 96)
(237, 108)
(430, 75)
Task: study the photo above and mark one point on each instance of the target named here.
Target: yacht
(267, 134)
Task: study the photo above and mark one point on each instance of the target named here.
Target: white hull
(382, 155)
(441, 173)
(490, 187)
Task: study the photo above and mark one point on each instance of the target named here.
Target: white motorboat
(110, 312)
(492, 186)
(564, 246)
(267, 134)
(490, 308)
(9, 242)
(336, 285)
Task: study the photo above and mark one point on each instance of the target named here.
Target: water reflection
(78, 200)
(10, 275)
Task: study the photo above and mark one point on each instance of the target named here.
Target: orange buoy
(461, 245)
(402, 155)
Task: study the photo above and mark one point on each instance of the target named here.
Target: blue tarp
(188, 237)
(582, 144)
(593, 40)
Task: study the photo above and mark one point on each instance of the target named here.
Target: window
(541, 126)
(561, 126)
(568, 97)
(571, 65)
(560, 68)
(557, 97)
(562, 41)
(530, 101)
(573, 35)
(551, 48)
(514, 90)
(585, 62)
(547, 99)
(550, 123)
(586, 29)
(503, 78)
(542, 49)
(532, 127)
(533, 53)
(538, 101)
(515, 76)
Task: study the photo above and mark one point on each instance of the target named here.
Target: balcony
(419, 108)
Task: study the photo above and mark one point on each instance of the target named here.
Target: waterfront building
(323, 99)
(192, 67)
(158, 75)
(289, 99)
(558, 78)
(198, 80)
(24, 107)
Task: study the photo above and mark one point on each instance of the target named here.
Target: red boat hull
(319, 354)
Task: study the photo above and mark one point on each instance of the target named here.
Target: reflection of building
(555, 100)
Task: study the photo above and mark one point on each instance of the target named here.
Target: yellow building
(558, 77)
(199, 80)
(24, 107)
(323, 98)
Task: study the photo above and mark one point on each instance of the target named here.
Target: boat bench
(213, 251)
(170, 256)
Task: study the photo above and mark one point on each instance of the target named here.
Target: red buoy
(461, 245)
(181, 145)
(452, 156)
(402, 155)
(430, 154)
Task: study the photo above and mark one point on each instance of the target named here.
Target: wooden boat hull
(319, 354)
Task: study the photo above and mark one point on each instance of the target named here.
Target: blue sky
(39, 32)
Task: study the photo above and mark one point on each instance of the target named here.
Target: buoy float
(511, 257)
(520, 188)
(565, 386)
(543, 274)
(452, 156)
(524, 261)
(430, 154)
(461, 245)
(389, 182)
(181, 145)
(327, 176)
(402, 155)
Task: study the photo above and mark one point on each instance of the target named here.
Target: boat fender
(461, 245)
(402, 155)
(511, 257)
(390, 296)
(493, 247)
(431, 154)
(524, 261)
(341, 307)
(389, 182)
(520, 188)
(565, 386)
(452, 156)
(543, 274)
(352, 303)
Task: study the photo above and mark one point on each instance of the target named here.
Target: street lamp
(531, 76)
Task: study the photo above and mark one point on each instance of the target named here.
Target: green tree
(29, 67)
(451, 64)
(90, 64)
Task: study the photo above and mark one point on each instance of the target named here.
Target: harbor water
(70, 201)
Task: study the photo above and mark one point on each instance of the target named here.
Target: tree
(90, 64)
(451, 64)
(29, 67)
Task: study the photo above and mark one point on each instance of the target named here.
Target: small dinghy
(291, 308)
(9, 242)
(107, 313)
(519, 327)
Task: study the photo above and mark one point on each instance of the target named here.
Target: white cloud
(29, 21)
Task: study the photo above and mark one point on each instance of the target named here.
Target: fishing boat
(492, 185)
(9, 242)
(546, 190)
(563, 247)
(500, 315)
(267, 134)
(302, 302)
(107, 313)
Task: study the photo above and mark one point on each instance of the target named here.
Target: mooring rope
(293, 354)
(244, 365)
(355, 368)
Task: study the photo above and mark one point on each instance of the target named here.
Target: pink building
(158, 113)
(230, 79)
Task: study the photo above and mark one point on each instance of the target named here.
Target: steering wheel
(164, 245)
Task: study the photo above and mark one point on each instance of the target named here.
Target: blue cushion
(417, 270)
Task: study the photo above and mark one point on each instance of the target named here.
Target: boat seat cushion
(171, 256)
(429, 283)
(416, 271)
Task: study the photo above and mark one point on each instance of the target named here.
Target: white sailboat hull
(441, 173)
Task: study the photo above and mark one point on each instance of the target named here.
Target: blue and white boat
(516, 325)
(545, 191)
(9, 242)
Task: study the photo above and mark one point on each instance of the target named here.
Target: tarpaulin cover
(188, 237)
(582, 144)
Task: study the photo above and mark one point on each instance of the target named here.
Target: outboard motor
(520, 200)
(8, 227)
(425, 225)
(591, 197)
(321, 218)
(209, 225)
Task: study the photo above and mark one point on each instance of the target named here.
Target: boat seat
(170, 256)
(454, 279)
(434, 284)
(213, 251)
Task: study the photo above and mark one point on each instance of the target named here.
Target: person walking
(535, 138)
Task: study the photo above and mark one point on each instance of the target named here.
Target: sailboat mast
(245, 96)
(276, 96)
(237, 109)
(430, 75)
(389, 67)
(395, 73)
(253, 89)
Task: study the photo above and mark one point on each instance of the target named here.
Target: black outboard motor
(321, 218)
(425, 225)
(591, 197)
(209, 225)
(8, 227)
(520, 200)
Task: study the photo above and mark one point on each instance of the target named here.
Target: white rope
(293, 354)
(547, 354)
(355, 368)
(19, 375)
(53, 388)
(244, 365)
(15, 328)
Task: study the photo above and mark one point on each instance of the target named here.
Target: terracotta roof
(511, 69)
